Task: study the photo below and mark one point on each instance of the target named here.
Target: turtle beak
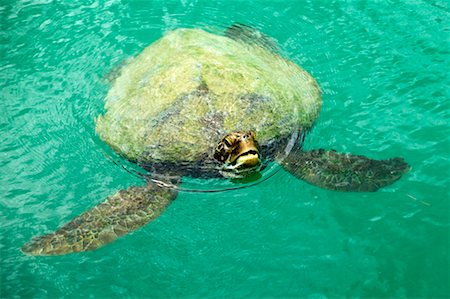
(239, 153)
(248, 160)
(246, 154)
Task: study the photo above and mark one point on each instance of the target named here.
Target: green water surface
(384, 69)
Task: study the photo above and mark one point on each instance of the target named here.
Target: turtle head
(239, 154)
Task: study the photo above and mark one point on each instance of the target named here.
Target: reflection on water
(380, 69)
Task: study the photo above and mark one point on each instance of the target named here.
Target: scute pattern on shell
(203, 85)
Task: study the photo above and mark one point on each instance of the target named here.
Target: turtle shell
(174, 101)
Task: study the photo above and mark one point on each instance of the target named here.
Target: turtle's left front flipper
(125, 211)
(344, 172)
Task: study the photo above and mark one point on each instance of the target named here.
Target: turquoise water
(383, 68)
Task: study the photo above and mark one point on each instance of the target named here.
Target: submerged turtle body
(184, 92)
(196, 103)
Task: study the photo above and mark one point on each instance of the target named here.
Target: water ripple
(385, 94)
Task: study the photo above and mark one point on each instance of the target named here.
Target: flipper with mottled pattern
(344, 172)
(124, 212)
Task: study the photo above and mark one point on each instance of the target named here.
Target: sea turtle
(208, 105)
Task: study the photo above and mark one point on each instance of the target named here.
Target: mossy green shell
(175, 100)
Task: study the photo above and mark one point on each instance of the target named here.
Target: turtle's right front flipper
(344, 172)
(124, 212)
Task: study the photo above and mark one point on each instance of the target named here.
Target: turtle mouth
(245, 165)
(248, 159)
